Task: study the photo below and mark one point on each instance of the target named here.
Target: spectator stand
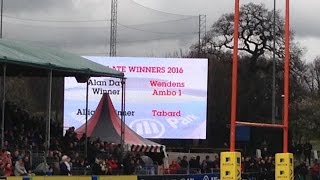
(80, 166)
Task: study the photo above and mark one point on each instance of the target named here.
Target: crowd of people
(262, 168)
(25, 137)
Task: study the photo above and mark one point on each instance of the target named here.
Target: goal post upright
(231, 161)
(234, 122)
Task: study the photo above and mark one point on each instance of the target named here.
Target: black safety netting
(83, 27)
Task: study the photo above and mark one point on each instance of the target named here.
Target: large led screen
(165, 98)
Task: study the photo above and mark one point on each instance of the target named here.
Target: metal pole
(122, 113)
(274, 66)
(205, 26)
(49, 109)
(114, 24)
(124, 108)
(3, 104)
(1, 22)
(286, 78)
(241, 123)
(234, 77)
(199, 35)
(86, 128)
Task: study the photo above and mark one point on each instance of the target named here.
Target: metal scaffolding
(113, 32)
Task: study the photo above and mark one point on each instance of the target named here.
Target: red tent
(106, 125)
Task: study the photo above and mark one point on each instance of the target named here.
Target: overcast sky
(146, 27)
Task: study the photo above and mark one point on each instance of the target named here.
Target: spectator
(184, 165)
(98, 168)
(270, 165)
(248, 164)
(139, 164)
(55, 165)
(174, 167)
(6, 145)
(27, 164)
(307, 147)
(216, 162)
(194, 165)
(129, 165)
(8, 170)
(179, 160)
(8, 163)
(80, 163)
(65, 168)
(166, 164)
(315, 170)
(19, 168)
(112, 165)
(301, 171)
(207, 165)
(263, 170)
(299, 149)
(198, 162)
(15, 156)
(265, 152)
(2, 167)
(83, 138)
(55, 146)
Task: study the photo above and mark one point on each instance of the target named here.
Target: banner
(49, 178)
(72, 178)
(214, 176)
(114, 178)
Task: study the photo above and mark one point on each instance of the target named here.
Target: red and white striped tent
(106, 125)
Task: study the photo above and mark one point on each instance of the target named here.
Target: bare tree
(255, 31)
(312, 77)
